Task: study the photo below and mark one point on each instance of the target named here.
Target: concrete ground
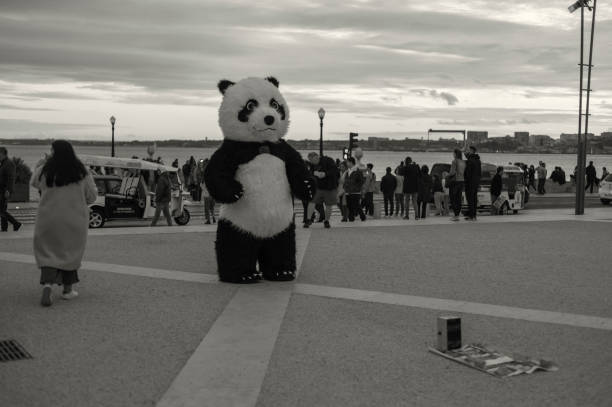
(152, 326)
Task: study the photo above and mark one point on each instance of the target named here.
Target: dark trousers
(388, 201)
(422, 205)
(354, 207)
(455, 192)
(590, 183)
(368, 203)
(5, 217)
(209, 208)
(541, 183)
(165, 207)
(471, 196)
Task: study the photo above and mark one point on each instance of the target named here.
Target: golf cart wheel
(96, 218)
(605, 201)
(184, 218)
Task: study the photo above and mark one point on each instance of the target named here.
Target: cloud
(14, 107)
(450, 99)
(359, 58)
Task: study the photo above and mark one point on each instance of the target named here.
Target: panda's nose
(269, 120)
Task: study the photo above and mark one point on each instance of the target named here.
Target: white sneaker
(69, 296)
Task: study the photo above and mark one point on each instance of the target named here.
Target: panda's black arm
(301, 181)
(219, 177)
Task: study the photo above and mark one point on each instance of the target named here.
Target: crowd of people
(351, 185)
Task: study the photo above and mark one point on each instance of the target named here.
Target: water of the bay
(380, 159)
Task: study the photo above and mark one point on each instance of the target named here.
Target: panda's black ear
(272, 80)
(223, 85)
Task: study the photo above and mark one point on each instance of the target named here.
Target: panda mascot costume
(254, 175)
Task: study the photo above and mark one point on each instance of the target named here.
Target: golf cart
(126, 190)
(513, 188)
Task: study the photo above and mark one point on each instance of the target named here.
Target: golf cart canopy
(129, 163)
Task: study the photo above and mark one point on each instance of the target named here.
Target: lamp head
(579, 4)
(112, 120)
(321, 113)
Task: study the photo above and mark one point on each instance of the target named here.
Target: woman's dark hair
(63, 167)
(425, 169)
(500, 169)
(457, 153)
(351, 160)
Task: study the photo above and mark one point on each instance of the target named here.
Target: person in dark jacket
(411, 173)
(472, 182)
(496, 189)
(531, 173)
(7, 182)
(388, 183)
(424, 194)
(353, 183)
(163, 195)
(327, 175)
(591, 176)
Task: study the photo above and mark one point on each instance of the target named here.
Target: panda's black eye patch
(248, 108)
(278, 107)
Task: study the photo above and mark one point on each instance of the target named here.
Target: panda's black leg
(277, 256)
(236, 254)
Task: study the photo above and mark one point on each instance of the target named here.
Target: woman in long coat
(60, 234)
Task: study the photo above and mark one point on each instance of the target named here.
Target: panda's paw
(280, 276)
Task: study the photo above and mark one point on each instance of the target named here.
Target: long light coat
(60, 235)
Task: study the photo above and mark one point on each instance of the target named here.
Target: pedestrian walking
(327, 176)
(411, 173)
(369, 187)
(399, 192)
(60, 234)
(456, 182)
(532, 174)
(591, 176)
(541, 173)
(496, 189)
(341, 193)
(424, 194)
(472, 182)
(604, 173)
(388, 184)
(163, 196)
(352, 187)
(7, 183)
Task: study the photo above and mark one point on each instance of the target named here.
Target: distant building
(540, 140)
(522, 137)
(477, 137)
(606, 136)
(567, 138)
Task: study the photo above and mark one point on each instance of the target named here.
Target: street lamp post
(321, 116)
(112, 120)
(583, 137)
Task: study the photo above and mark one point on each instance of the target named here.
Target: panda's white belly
(266, 207)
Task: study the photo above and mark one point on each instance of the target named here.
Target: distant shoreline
(409, 145)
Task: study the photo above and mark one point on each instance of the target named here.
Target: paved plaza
(153, 326)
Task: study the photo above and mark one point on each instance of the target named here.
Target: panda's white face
(253, 110)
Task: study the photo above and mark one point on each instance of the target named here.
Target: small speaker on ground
(449, 333)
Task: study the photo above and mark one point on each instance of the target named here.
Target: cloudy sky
(380, 68)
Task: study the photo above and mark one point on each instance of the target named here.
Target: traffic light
(353, 141)
(345, 153)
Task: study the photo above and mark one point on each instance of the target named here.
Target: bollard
(449, 333)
